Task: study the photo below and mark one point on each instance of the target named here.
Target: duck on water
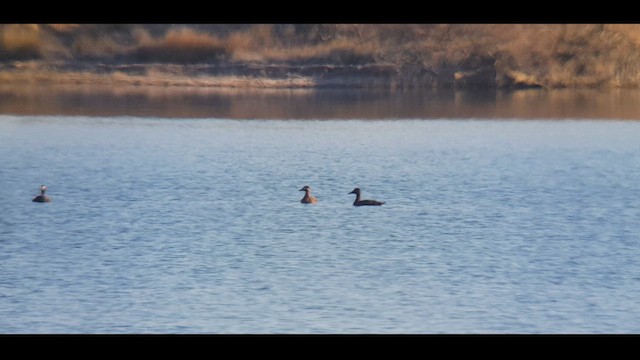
(308, 198)
(359, 202)
(42, 197)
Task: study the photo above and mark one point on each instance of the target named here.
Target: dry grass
(550, 55)
(259, 43)
(32, 74)
(99, 48)
(20, 41)
(63, 28)
(183, 45)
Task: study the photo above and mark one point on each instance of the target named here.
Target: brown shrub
(182, 45)
(20, 41)
(96, 47)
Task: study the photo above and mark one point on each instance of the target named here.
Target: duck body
(359, 202)
(308, 198)
(42, 197)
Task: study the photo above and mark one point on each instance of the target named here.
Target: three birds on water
(310, 199)
(307, 199)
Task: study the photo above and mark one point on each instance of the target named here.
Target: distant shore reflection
(191, 102)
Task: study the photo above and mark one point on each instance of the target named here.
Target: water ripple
(183, 226)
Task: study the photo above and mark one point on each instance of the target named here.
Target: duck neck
(357, 198)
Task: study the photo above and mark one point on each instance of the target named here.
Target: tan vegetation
(380, 55)
(182, 45)
(155, 77)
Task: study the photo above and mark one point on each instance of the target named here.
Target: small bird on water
(359, 202)
(42, 197)
(308, 198)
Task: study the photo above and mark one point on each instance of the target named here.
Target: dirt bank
(373, 76)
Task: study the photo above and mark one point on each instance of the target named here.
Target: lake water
(165, 224)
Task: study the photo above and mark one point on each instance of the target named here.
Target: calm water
(295, 104)
(195, 226)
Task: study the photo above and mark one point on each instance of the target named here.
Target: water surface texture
(195, 226)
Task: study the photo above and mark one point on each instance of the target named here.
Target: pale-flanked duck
(359, 202)
(42, 197)
(308, 199)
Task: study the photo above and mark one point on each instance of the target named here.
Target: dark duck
(308, 199)
(359, 202)
(42, 197)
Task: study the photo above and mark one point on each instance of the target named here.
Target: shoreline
(262, 76)
(157, 80)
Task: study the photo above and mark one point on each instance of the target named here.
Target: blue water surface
(195, 226)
